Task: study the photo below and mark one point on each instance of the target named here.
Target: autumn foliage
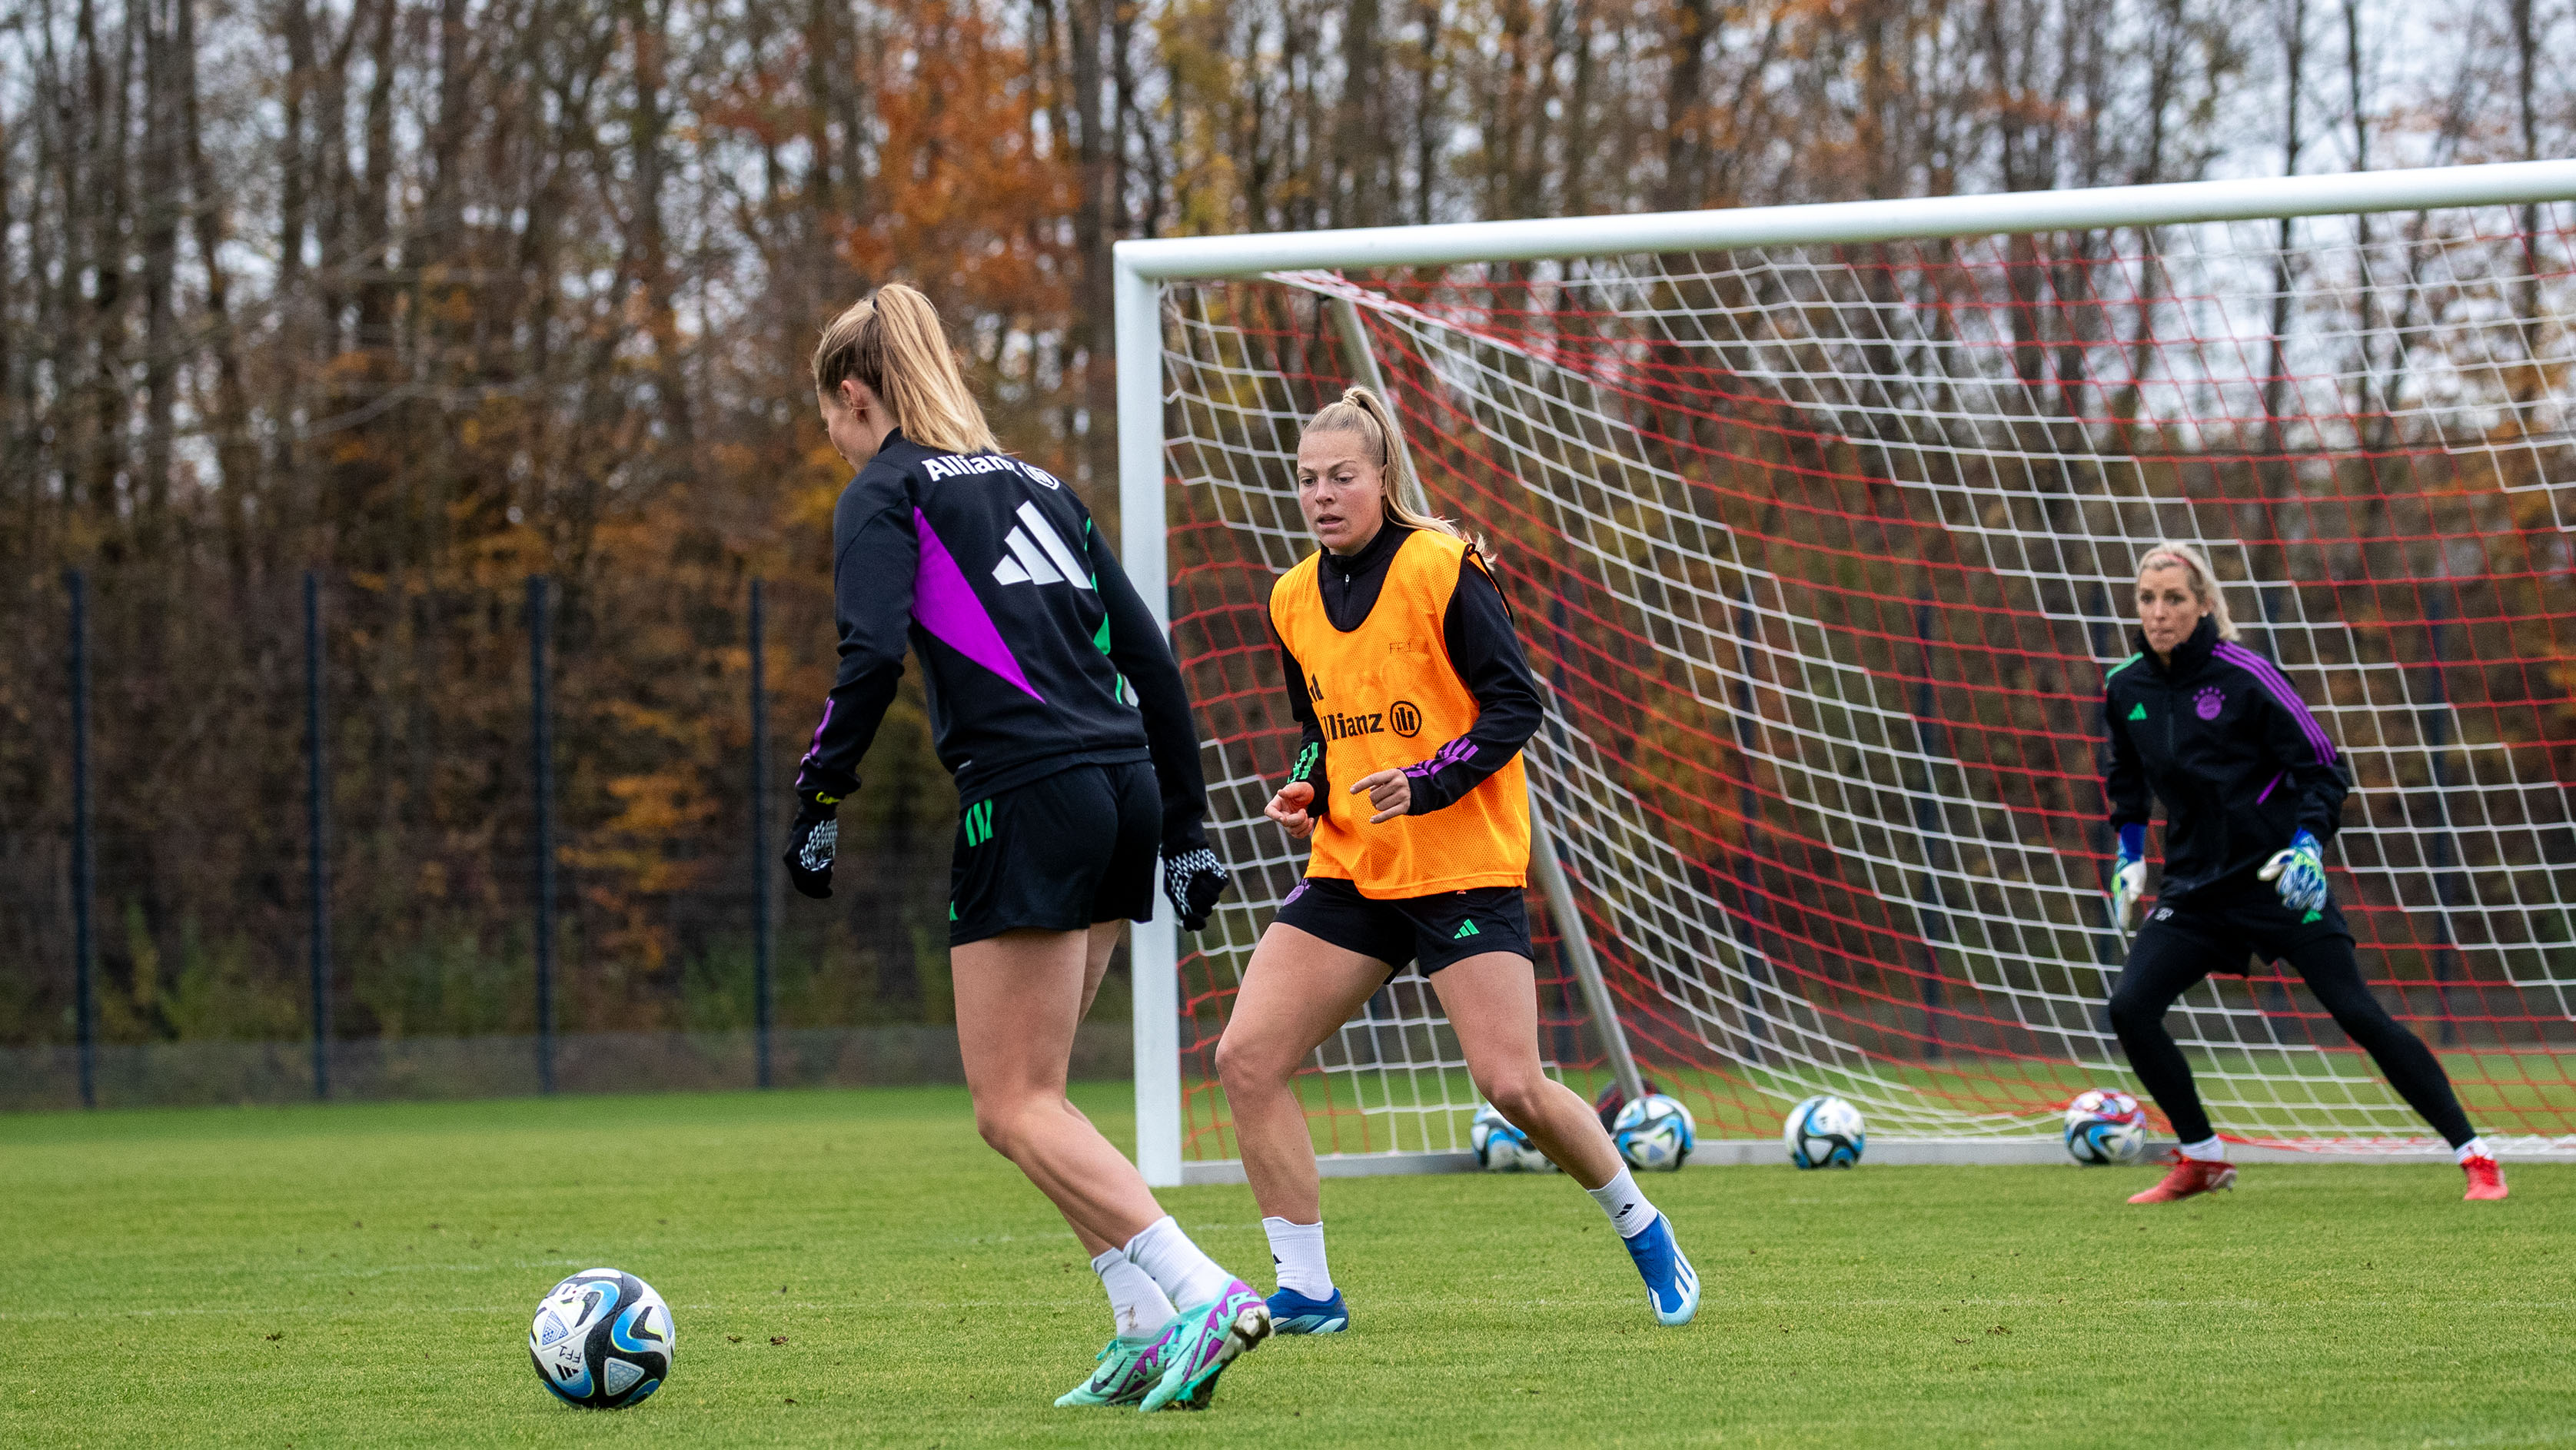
(429, 296)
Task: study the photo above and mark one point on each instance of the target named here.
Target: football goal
(1820, 524)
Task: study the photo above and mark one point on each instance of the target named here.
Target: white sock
(1629, 1211)
(2474, 1148)
(1175, 1264)
(1297, 1249)
(2207, 1150)
(1135, 1305)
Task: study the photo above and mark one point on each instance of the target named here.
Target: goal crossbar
(2504, 183)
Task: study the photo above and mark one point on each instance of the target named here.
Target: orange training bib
(1387, 699)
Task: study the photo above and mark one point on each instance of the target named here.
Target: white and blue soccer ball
(1654, 1132)
(602, 1340)
(2105, 1126)
(1503, 1148)
(1824, 1132)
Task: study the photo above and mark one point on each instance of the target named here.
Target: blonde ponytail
(1366, 414)
(2204, 582)
(891, 342)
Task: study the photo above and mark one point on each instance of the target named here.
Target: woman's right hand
(1288, 808)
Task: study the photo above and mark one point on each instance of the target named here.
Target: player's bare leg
(1126, 1367)
(1491, 999)
(1019, 997)
(1297, 991)
(1492, 1002)
(1102, 945)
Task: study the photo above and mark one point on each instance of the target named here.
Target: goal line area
(1819, 525)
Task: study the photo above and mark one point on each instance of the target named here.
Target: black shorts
(1057, 853)
(1436, 930)
(2239, 919)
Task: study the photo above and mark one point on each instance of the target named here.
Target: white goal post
(1847, 493)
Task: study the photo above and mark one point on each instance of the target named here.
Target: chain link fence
(207, 959)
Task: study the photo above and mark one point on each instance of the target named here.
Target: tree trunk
(1686, 147)
(1360, 137)
(1095, 289)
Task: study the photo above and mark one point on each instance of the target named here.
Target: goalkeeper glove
(2129, 877)
(811, 843)
(1193, 878)
(2299, 873)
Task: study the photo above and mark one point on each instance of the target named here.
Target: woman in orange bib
(1405, 672)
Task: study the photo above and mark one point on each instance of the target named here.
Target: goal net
(1823, 549)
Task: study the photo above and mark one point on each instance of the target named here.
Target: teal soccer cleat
(1127, 1369)
(1294, 1313)
(1672, 1285)
(1197, 1345)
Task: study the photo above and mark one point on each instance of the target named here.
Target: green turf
(364, 1275)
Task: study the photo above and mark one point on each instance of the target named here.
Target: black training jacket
(2224, 741)
(1037, 653)
(1484, 649)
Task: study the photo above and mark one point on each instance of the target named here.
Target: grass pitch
(855, 1268)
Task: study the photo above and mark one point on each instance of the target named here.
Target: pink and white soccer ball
(2105, 1126)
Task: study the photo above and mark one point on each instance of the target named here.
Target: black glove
(1193, 878)
(811, 843)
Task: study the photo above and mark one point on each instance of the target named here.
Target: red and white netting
(1824, 551)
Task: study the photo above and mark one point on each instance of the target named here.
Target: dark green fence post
(541, 749)
(84, 855)
(760, 909)
(317, 790)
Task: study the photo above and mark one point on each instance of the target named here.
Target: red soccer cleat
(2486, 1180)
(2187, 1177)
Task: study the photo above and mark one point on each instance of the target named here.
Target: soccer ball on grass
(2105, 1126)
(1824, 1132)
(602, 1340)
(1654, 1132)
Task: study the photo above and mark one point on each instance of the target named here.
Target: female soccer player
(2252, 789)
(1032, 646)
(1406, 675)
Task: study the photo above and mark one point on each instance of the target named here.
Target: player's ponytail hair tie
(1366, 414)
(891, 343)
(2204, 582)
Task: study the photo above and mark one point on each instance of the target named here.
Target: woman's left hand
(1390, 793)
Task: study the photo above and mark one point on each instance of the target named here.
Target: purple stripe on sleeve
(1456, 752)
(2278, 687)
(2282, 690)
(947, 607)
(2268, 788)
(823, 724)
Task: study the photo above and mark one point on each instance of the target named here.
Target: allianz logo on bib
(1403, 717)
(1338, 726)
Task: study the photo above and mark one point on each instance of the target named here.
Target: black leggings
(2164, 965)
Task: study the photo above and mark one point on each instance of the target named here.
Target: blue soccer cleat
(1672, 1285)
(1294, 1313)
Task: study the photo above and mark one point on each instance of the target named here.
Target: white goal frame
(1141, 267)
